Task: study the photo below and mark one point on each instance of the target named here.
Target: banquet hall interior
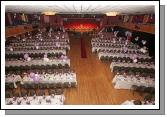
(79, 54)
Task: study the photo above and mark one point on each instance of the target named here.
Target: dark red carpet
(83, 49)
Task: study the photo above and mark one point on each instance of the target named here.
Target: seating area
(36, 53)
(123, 57)
(29, 66)
(79, 53)
(41, 40)
(129, 82)
(54, 98)
(37, 63)
(133, 68)
(66, 77)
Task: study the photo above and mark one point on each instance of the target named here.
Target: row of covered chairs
(126, 59)
(115, 50)
(34, 67)
(37, 39)
(41, 48)
(120, 51)
(114, 45)
(41, 92)
(106, 41)
(144, 72)
(39, 43)
(21, 71)
(143, 89)
(33, 55)
(48, 85)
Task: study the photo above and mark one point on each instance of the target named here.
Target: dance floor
(94, 79)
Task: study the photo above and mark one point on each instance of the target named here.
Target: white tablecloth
(43, 78)
(120, 82)
(100, 54)
(131, 102)
(56, 100)
(12, 78)
(16, 48)
(37, 62)
(39, 43)
(53, 78)
(109, 48)
(113, 44)
(36, 51)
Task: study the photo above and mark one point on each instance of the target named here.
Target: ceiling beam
(74, 8)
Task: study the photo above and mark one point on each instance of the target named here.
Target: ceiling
(81, 9)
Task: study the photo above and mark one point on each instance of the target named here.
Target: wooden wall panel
(16, 30)
(53, 20)
(139, 27)
(110, 21)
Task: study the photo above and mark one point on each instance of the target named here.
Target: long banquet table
(109, 48)
(131, 102)
(36, 51)
(39, 100)
(39, 43)
(43, 78)
(121, 82)
(37, 62)
(139, 56)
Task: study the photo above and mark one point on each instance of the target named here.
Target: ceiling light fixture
(112, 13)
(49, 13)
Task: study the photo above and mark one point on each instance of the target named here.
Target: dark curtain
(6, 20)
(150, 38)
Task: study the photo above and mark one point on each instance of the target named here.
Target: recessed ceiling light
(49, 13)
(112, 13)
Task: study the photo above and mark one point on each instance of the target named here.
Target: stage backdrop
(81, 24)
